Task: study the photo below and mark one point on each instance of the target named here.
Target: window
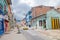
(40, 23)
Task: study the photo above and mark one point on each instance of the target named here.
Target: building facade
(10, 14)
(53, 19)
(48, 20)
(3, 12)
(39, 16)
(23, 23)
(4, 15)
(28, 19)
(7, 18)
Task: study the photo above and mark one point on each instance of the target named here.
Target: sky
(21, 7)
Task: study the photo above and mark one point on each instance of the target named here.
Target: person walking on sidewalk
(18, 28)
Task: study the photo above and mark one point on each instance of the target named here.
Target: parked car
(25, 28)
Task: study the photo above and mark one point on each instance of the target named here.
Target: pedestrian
(29, 25)
(18, 28)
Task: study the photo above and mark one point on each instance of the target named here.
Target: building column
(37, 24)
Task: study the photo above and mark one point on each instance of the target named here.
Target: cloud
(53, 2)
(40, 2)
(21, 7)
(20, 10)
(47, 2)
(28, 2)
(15, 3)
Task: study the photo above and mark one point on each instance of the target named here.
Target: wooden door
(55, 23)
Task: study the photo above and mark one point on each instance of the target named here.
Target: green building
(50, 20)
(53, 19)
(3, 6)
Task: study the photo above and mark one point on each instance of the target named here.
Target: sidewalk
(13, 36)
(53, 34)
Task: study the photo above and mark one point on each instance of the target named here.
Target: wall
(39, 10)
(52, 13)
(36, 21)
(1, 2)
(42, 17)
(4, 3)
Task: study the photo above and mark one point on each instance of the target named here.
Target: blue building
(3, 12)
(28, 18)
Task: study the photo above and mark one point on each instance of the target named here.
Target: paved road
(13, 36)
(32, 35)
(25, 35)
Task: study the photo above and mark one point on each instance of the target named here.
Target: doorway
(55, 23)
(6, 25)
(44, 23)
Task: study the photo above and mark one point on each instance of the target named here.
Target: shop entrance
(6, 25)
(44, 23)
(55, 23)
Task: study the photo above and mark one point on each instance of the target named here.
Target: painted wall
(41, 18)
(4, 3)
(1, 2)
(39, 10)
(52, 13)
(28, 18)
(36, 21)
(49, 14)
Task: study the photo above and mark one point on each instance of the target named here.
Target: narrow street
(24, 35)
(29, 19)
(13, 36)
(31, 35)
(28, 35)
